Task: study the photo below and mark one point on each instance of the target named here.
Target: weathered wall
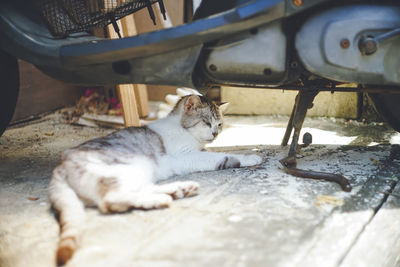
(39, 93)
(261, 101)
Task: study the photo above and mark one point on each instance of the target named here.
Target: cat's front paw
(228, 162)
(250, 160)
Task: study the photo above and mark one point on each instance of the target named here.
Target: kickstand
(304, 101)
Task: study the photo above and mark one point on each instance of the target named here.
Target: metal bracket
(369, 44)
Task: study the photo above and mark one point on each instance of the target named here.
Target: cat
(119, 172)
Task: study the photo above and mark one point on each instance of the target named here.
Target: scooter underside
(331, 45)
(264, 43)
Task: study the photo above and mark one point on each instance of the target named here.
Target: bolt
(298, 3)
(267, 72)
(367, 45)
(344, 43)
(212, 67)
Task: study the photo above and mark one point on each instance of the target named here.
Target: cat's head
(200, 117)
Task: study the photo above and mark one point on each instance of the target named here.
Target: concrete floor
(242, 217)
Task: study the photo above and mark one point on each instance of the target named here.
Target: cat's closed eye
(208, 124)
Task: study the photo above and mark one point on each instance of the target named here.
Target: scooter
(304, 45)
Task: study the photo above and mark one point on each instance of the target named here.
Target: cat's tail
(71, 215)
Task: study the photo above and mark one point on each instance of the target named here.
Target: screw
(344, 43)
(367, 45)
(267, 72)
(212, 67)
(298, 2)
(370, 46)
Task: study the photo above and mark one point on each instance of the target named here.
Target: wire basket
(64, 17)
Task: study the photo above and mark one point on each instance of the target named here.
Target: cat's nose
(215, 134)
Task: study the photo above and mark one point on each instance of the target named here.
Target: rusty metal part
(289, 166)
(381, 89)
(289, 128)
(344, 43)
(298, 2)
(303, 102)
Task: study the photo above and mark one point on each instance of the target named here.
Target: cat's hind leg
(178, 189)
(120, 200)
(121, 187)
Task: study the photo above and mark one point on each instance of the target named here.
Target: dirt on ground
(257, 216)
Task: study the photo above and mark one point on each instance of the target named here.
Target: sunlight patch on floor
(244, 135)
(395, 139)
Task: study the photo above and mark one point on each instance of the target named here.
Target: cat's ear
(223, 107)
(191, 104)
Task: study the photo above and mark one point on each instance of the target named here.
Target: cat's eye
(219, 124)
(208, 124)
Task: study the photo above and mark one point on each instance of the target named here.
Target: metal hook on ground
(303, 102)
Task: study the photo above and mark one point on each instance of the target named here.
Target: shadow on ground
(242, 217)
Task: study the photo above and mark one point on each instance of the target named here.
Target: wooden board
(144, 24)
(127, 97)
(360, 233)
(126, 92)
(258, 216)
(129, 29)
(380, 238)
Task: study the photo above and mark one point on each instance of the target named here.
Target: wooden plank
(128, 102)
(128, 26)
(242, 217)
(129, 29)
(142, 99)
(334, 236)
(126, 93)
(332, 239)
(380, 239)
(144, 24)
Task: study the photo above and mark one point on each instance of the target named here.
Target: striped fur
(119, 172)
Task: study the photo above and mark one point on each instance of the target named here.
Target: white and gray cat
(118, 172)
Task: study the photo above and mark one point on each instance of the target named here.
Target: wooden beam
(129, 29)
(126, 93)
(127, 97)
(143, 24)
(380, 238)
(142, 99)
